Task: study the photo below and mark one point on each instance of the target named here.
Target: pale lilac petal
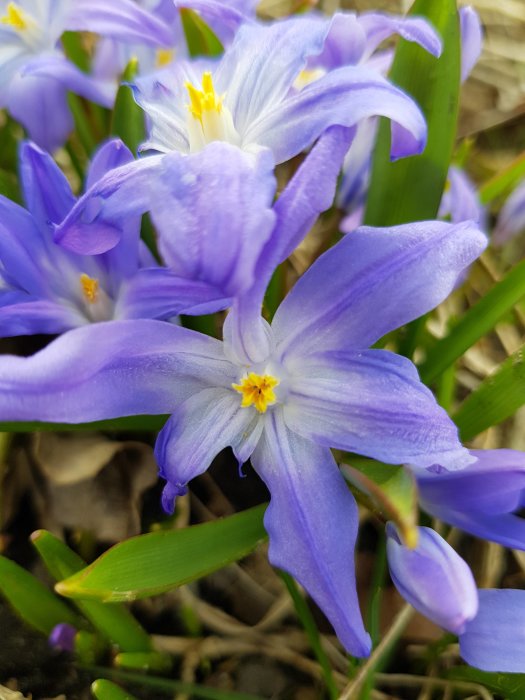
(259, 68)
(38, 316)
(356, 168)
(69, 77)
(495, 638)
(107, 370)
(511, 219)
(200, 428)
(312, 522)
(108, 156)
(123, 192)
(373, 403)
(344, 96)
(471, 39)
(309, 192)
(208, 231)
(40, 105)
(224, 18)
(433, 578)
(119, 19)
(460, 200)
(372, 281)
(159, 293)
(379, 26)
(344, 45)
(47, 192)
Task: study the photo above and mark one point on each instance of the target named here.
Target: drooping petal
(370, 402)
(433, 578)
(107, 370)
(372, 281)
(344, 96)
(159, 293)
(208, 231)
(495, 639)
(312, 523)
(40, 105)
(471, 39)
(122, 193)
(379, 26)
(119, 19)
(200, 428)
(460, 200)
(309, 192)
(47, 192)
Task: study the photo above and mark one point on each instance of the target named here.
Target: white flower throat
(208, 117)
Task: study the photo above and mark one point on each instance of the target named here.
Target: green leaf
(75, 51)
(152, 661)
(106, 690)
(510, 686)
(151, 564)
(411, 188)
(497, 398)
(475, 323)
(388, 489)
(127, 121)
(201, 40)
(114, 622)
(504, 181)
(131, 423)
(35, 603)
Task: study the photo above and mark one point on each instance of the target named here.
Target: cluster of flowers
(282, 394)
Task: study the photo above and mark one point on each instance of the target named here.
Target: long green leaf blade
(475, 323)
(132, 423)
(497, 398)
(151, 564)
(411, 188)
(127, 120)
(114, 622)
(35, 603)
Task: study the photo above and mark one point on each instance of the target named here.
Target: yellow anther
(14, 17)
(205, 100)
(257, 390)
(163, 57)
(89, 287)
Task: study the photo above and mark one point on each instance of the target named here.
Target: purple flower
(482, 498)
(433, 578)
(495, 639)
(35, 75)
(44, 288)
(511, 219)
(62, 637)
(460, 199)
(282, 395)
(247, 98)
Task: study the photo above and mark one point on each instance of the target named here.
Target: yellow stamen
(205, 100)
(14, 17)
(163, 57)
(257, 390)
(89, 287)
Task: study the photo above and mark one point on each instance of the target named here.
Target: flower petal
(107, 370)
(110, 155)
(344, 96)
(37, 316)
(370, 402)
(47, 192)
(200, 428)
(433, 578)
(471, 39)
(312, 522)
(372, 281)
(511, 219)
(495, 638)
(379, 26)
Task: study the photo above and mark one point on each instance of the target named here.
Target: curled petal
(312, 523)
(433, 578)
(379, 26)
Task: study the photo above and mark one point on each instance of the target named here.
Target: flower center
(89, 288)
(14, 17)
(257, 390)
(209, 119)
(163, 57)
